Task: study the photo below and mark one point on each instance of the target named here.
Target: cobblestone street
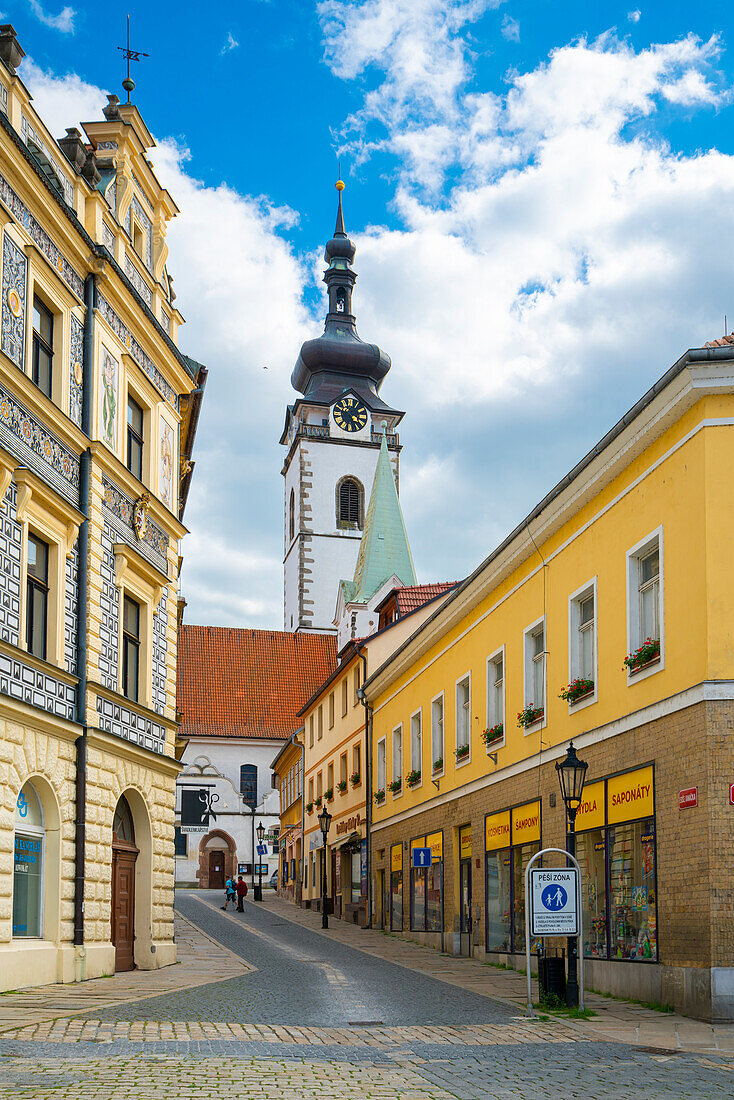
(263, 1004)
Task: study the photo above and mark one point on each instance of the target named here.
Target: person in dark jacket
(241, 889)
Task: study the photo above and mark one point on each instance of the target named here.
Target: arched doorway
(217, 859)
(124, 855)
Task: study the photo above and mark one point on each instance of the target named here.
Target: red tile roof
(414, 596)
(248, 683)
(721, 343)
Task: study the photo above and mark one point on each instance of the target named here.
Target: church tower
(333, 434)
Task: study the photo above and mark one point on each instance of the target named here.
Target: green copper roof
(384, 548)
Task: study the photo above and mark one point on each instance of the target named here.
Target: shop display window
(418, 899)
(499, 879)
(396, 901)
(591, 856)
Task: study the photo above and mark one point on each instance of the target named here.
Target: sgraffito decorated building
(605, 617)
(98, 408)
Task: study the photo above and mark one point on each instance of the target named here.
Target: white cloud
(63, 22)
(230, 44)
(510, 29)
(634, 16)
(62, 101)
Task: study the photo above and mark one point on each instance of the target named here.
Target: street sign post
(262, 849)
(553, 896)
(556, 906)
(421, 857)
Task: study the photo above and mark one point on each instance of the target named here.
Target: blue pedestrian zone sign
(421, 857)
(553, 901)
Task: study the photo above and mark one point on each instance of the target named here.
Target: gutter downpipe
(80, 827)
(368, 782)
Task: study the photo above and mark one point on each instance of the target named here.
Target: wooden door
(216, 870)
(123, 907)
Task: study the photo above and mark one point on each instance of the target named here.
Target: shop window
(134, 438)
(437, 745)
(512, 837)
(131, 648)
(496, 692)
(416, 743)
(463, 718)
(499, 893)
(645, 613)
(43, 347)
(591, 855)
(180, 843)
(396, 888)
(426, 887)
(28, 865)
(248, 784)
(37, 596)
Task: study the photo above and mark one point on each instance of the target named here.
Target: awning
(353, 843)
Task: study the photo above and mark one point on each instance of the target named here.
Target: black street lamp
(324, 823)
(571, 776)
(260, 834)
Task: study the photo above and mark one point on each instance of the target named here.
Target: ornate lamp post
(260, 834)
(324, 823)
(571, 776)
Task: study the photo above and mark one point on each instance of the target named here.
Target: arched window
(248, 784)
(349, 503)
(122, 824)
(292, 516)
(28, 865)
(341, 300)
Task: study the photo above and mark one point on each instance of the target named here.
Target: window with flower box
(437, 739)
(534, 668)
(645, 608)
(396, 787)
(463, 719)
(416, 749)
(582, 647)
(494, 734)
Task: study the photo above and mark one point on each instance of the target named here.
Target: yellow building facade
(97, 412)
(606, 618)
(288, 779)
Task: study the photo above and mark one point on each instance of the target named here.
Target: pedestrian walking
(241, 894)
(230, 892)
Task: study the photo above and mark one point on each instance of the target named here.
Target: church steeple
(339, 358)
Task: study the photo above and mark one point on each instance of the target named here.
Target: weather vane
(130, 55)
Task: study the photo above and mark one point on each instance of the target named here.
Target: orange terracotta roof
(414, 596)
(721, 343)
(234, 682)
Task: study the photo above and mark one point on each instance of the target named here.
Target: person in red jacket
(241, 894)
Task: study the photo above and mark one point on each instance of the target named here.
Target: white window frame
(527, 647)
(574, 649)
(633, 558)
(397, 740)
(492, 718)
(468, 706)
(435, 699)
(381, 768)
(417, 766)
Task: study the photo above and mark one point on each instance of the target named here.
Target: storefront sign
(630, 796)
(526, 823)
(497, 831)
(553, 894)
(688, 798)
(349, 824)
(188, 829)
(591, 811)
(396, 857)
(435, 843)
(465, 842)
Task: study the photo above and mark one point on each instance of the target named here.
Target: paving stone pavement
(269, 1007)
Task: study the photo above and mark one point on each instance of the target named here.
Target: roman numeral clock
(350, 414)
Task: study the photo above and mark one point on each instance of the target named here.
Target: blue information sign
(421, 857)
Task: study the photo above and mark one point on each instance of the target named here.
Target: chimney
(112, 110)
(11, 51)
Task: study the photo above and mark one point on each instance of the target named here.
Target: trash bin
(552, 978)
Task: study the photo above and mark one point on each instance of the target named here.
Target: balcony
(392, 439)
(315, 431)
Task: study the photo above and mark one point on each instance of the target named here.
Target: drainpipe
(368, 782)
(80, 954)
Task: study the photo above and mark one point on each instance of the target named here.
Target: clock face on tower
(350, 414)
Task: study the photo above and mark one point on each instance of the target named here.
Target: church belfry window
(341, 300)
(248, 784)
(292, 516)
(349, 503)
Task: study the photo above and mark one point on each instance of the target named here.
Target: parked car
(274, 880)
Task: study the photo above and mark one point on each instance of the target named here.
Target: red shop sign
(731, 794)
(688, 798)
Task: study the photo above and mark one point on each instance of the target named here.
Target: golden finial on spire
(340, 182)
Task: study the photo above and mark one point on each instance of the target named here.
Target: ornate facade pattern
(165, 322)
(76, 370)
(35, 444)
(106, 144)
(122, 721)
(144, 361)
(108, 238)
(154, 540)
(29, 133)
(138, 282)
(71, 607)
(109, 630)
(23, 682)
(136, 208)
(141, 189)
(160, 649)
(15, 280)
(22, 214)
(10, 557)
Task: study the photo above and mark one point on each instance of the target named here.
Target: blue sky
(538, 191)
